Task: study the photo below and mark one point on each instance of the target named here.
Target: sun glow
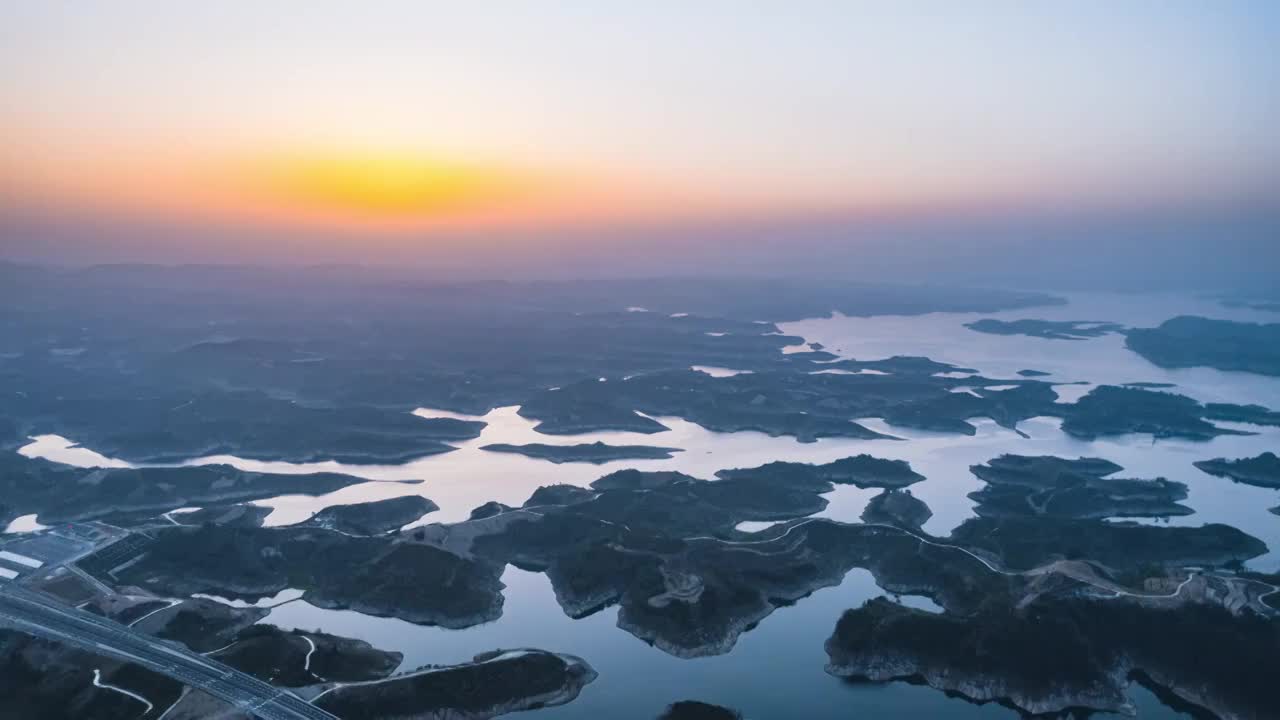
(411, 191)
(356, 188)
(385, 185)
(362, 190)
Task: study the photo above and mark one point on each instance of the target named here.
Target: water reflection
(24, 524)
(943, 337)
(468, 477)
(775, 671)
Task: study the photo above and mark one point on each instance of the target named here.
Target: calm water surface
(775, 671)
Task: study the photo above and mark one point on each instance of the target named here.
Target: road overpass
(37, 614)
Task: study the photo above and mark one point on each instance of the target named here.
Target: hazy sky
(423, 119)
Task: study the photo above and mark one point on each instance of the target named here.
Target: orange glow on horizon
(393, 187)
(408, 194)
(381, 191)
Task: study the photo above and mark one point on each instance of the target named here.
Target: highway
(39, 615)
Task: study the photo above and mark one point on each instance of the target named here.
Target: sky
(464, 133)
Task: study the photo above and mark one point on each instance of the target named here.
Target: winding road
(1093, 582)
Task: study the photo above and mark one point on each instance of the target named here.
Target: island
(1046, 329)
(695, 710)
(632, 479)
(489, 509)
(1202, 654)
(916, 394)
(806, 405)
(596, 453)
(240, 515)
(494, 683)
(897, 507)
(1019, 485)
(61, 493)
(1033, 373)
(373, 518)
(558, 495)
(863, 470)
(238, 637)
(554, 418)
(900, 365)
(380, 575)
(450, 429)
(1192, 341)
(1025, 543)
(297, 659)
(1114, 410)
(1252, 414)
(255, 425)
(1260, 471)
(952, 411)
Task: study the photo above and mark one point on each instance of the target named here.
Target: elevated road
(36, 614)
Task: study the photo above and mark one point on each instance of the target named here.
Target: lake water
(776, 670)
